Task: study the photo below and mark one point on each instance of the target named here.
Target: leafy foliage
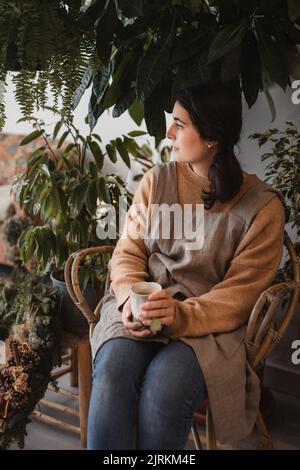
(28, 312)
(64, 188)
(44, 43)
(134, 54)
(283, 172)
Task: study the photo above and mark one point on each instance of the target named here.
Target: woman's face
(188, 145)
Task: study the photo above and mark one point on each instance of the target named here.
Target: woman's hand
(161, 305)
(134, 326)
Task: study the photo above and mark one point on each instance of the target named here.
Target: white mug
(139, 294)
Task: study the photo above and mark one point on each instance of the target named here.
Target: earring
(210, 146)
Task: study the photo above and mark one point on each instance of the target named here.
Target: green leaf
(105, 28)
(102, 191)
(131, 146)
(124, 103)
(123, 70)
(79, 195)
(123, 151)
(136, 133)
(136, 112)
(97, 153)
(91, 197)
(193, 42)
(228, 38)
(111, 151)
(250, 69)
(97, 137)
(268, 95)
(270, 53)
(294, 9)
(62, 139)
(152, 67)
(93, 170)
(57, 129)
(34, 135)
(85, 83)
(68, 149)
(155, 116)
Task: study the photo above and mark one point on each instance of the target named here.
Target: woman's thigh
(174, 372)
(122, 361)
(173, 389)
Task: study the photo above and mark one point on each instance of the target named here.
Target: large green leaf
(102, 191)
(155, 116)
(91, 197)
(123, 152)
(106, 26)
(230, 67)
(136, 133)
(63, 138)
(136, 112)
(152, 67)
(111, 151)
(250, 69)
(115, 90)
(34, 135)
(228, 38)
(100, 84)
(85, 83)
(270, 53)
(97, 153)
(194, 42)
(266, 88)
(123, 103)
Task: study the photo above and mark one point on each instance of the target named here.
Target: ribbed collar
(197, 180)
(186, 170)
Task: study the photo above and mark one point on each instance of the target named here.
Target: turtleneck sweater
(253, 268)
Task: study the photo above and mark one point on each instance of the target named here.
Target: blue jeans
(143, 395)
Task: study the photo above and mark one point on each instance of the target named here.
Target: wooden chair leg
(85, 385)
(74, 367)
(196, 437)
(265, 440)
(210, 432)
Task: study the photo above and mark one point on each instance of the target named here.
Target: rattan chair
(262, 334)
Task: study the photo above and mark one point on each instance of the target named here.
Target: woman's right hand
(134, 326)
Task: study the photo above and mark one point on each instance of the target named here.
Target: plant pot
(73, 321)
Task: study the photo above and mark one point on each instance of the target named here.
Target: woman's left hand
(161, 305)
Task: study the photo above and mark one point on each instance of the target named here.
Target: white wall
(256, 119)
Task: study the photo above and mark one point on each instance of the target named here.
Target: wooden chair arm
(262, 333)
(72, 279)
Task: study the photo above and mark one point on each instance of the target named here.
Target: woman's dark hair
(216, 111)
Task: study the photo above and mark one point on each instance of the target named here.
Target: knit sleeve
(254, 266)
(129, 262)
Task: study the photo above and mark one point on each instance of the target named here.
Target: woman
(146, 385)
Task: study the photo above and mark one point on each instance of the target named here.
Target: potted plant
(283, 172)
(62, 188)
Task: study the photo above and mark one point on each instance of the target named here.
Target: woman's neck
(199, 169)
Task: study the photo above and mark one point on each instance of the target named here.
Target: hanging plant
(136, 54)
(42, 42)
